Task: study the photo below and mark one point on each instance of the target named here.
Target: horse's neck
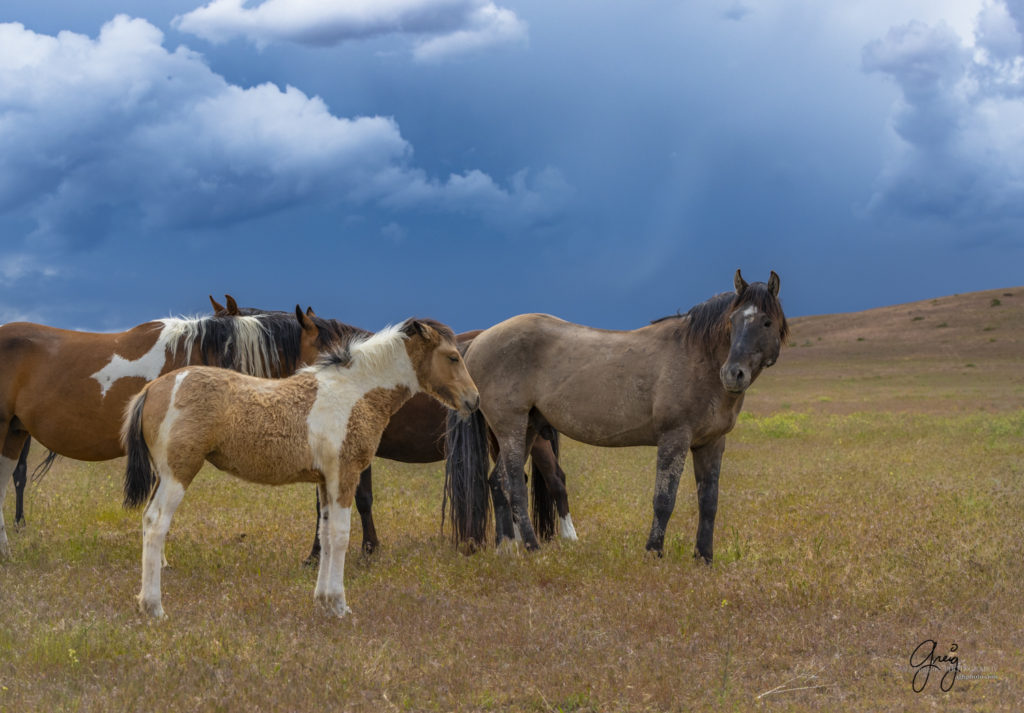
(375, 373)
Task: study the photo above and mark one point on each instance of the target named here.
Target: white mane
(248, 342)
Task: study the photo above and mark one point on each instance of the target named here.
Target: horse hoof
(311, 561)
(507, 547)
(334, 606)
(369, 548)
(153, 609)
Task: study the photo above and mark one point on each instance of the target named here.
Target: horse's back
(593, 384)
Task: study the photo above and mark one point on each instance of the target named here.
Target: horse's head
(439, 366)
(757, 328)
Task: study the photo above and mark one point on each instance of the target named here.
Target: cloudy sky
(469, 160)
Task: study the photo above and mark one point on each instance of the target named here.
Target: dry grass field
(872, 499)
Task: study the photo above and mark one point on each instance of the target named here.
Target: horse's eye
(767, 323)
(453, 359)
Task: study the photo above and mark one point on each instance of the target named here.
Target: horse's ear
(740, 283)
(773, 284)
(218, 309)
(310, 312)
(305, 321)
(232, 305)
(414, 327)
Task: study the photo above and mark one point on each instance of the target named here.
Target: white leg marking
(331, 593)
(516, 534)
(7, 467)
(155, 523)
(566, 529)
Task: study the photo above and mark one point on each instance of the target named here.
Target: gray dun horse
(321, 425)
(677, 384)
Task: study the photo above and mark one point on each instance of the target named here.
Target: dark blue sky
(467, 160)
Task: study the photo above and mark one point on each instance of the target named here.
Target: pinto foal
(321, 425)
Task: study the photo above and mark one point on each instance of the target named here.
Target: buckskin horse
(68, 389)
(676, 384)
(416, 434)
(321, 425)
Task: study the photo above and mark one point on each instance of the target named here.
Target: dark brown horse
(68, 389)
(416, 434)
(677, 384)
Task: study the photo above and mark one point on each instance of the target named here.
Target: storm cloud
(119, 133)
(438, 28)
(958, 149)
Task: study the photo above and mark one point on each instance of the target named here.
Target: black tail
(466, 493)
(138, 475)
(44, 467)
(543, 503)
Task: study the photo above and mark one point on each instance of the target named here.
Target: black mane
(708, 324)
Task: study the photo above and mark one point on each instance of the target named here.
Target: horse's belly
(271, 467)
(599, 430)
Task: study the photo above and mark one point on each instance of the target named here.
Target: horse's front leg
(671, 458)
(707, 464)
(364, 505)
(335, 525)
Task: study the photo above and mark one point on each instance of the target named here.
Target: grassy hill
(872, 499)
(964, 352)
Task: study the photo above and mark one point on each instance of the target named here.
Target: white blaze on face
(148, 366)
(750, 314)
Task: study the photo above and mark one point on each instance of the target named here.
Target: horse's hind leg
(503, 527)
(547, 468)
(513, 453)
(12, 442)
(20, 481)
(314, 552)
(156, 521)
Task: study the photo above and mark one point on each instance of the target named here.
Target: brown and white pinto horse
(68, 389)
(322, 425)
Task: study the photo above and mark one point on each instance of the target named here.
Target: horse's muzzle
(470, 403)
(735, 378)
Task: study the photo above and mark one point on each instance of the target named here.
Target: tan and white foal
(321, 425)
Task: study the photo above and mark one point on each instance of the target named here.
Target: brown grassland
(872, 498)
